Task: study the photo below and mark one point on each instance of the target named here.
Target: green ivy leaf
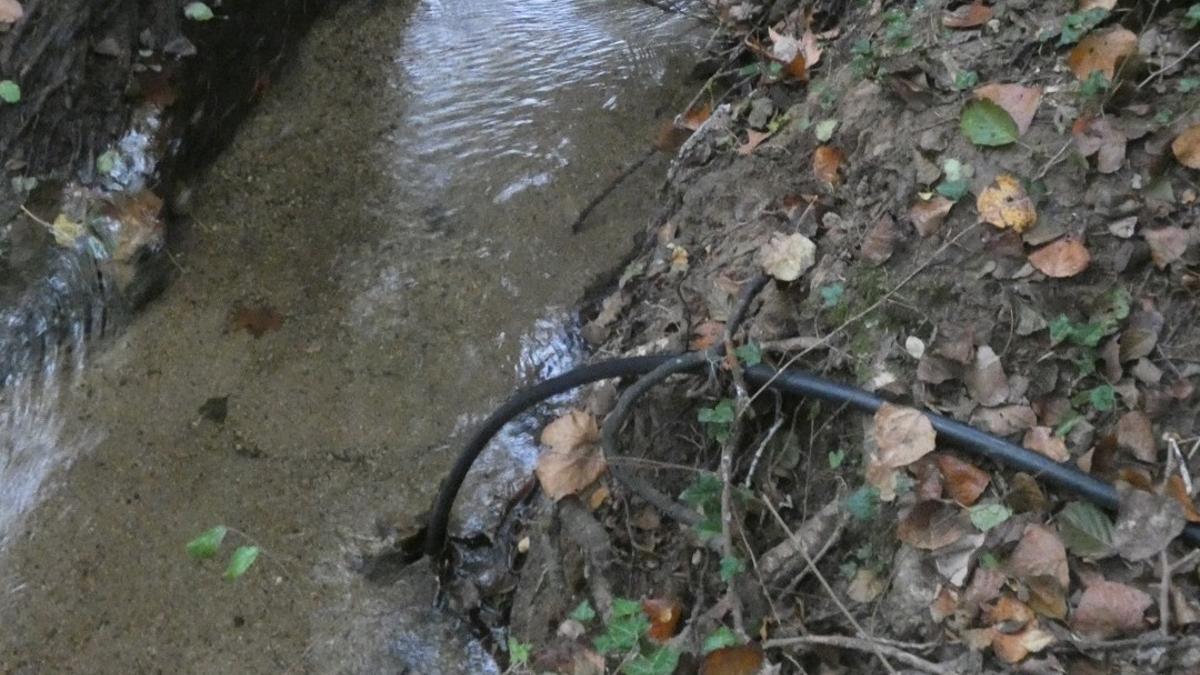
(722, 413)
(953, 190)
(988, 516)
(1192, 18)
(198, 11)
(10, 92)
(622, 633)
(518, 652)
(1077, 24)
(623, 607)
(987, 124)
(719, 639)
(832, 294)
(240, 561)
(749, 353)
(824, 129)
(863, 503)
(661, 661)
(1103, 398)
(206, 545)
(705, 491)
(836, 458)
(730, 568)
(583, 613)
(965, 79)
(1095, 85)
(1086, 530)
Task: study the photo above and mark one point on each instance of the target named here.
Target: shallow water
(403, 199)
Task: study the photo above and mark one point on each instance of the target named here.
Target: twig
(1170, 65)
(613, 184)
(1112, 645)
(1053, 161)
(858, 644)
(37, 220)
(862, 645)
(1164, 597)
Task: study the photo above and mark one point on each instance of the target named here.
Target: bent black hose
(965, 437)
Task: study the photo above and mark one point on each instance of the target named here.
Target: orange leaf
(1061, 259)
(964, 481)
(707, 334)
(1186, 147)
(1020, 102)
(1013, 648)
(1039, 552)
(664, 617)
(827, 160)
(1012, 613)
(1102, 51)
(967, 16)
(695, 116)
(1178, 491)
(1005, 204)
(753, 140)
(738, 660)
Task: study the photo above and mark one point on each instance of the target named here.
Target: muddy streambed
(394, 220)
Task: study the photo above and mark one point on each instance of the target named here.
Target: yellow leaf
(1005, 204)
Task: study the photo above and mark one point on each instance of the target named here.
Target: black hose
(967, 438)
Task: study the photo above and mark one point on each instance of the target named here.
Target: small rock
(180, 47)
(108, 47)
(931, 140)
(761, 110)
(1123, 228)
(1146, 372)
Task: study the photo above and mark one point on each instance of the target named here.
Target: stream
(394, 219)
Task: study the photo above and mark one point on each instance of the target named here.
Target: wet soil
(393, 222)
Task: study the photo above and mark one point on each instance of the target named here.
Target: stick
(862, 645)
(628, 171)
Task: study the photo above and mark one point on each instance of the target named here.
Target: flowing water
(396, 215)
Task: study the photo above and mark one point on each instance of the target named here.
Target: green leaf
(749, 353)
(710, 527)
(1187, 85)
(832, 294)
(824, 129)
(1068, 424)
(623, 607)
(206, 545)
(1192, 18)
(107, 161)
(197, 11)
(863, 503)
(953, 190)
(10, 92)
(518, 652)
(583, 613)
(1077, 24)
(719, 639)
(1061, 328)
(705, 491)
(661, 661)
(1095, 85)
(989, 561)
(965, 79)
(985, 123)
(622, 633)
(1103, 398)
(836, 458)
(987, 516)
(240, 561)
(722, 413)
(1086, 530)
(730, 568)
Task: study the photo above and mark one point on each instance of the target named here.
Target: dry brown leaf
(1061, 259)
(1005, 420)
(967, 16)
(1178, 491)
(1047, 597)
(1167, 244)
(572, 459)
(739, 660)
(945, 604)
(664, 617)
(788, 257)
(932, 524)
(964, 481)
(790, 52)
(985, 380)
(827, 161)
(1009, 615)
(811, 48)
(1103, 51)
(903, 434)
(1135, 434)
(1013, 648)
(865, 586)
(1005, 204)
(1019, 101)
(1043, 441)
(1140, 335)
(1040, 552)
(753, 140)
(706, 334)
(1146, 523)
(927, 215)
(880, 241)
(1108, 609)
(1186, 147)
(1025, 495)
(10, 11)
(1097, 136)
(695, 117)
(985, 585)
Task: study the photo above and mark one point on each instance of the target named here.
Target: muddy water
(402, 199)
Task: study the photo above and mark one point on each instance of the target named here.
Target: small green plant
(831, 295)
(704, 495)
(719, 639)
(863, 503)
(518, 652)
(208, 544)
(956, 179)
(836, 458)
(1102, 398)
(897, 30)
(10, 92)
(863, 557)
(1094, 88)
(624, 635)
(1192, 18)
(965, 79)
(864, 64)
(1077, 24)
(750, 354)
(718, 420)
(1187, 85)
(583, 613)
(731, 567)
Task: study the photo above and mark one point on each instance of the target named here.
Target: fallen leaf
(1043, 441)
(1146, 523)
(932, 524)
(1012, 614)
(1140, 336)
(1005, 420)
(1178, 491)
(695, 117)
(967, 16)
(985, 585)
(789, 51)
(985, 380)
(1061, 259)
(737, 660)
(944, 605)
(664, 617)
(865, 586)
(1025, 495)
(1005, 204)
(827, 160)
(1097, 136)
(753, 140)
(1015, 647)
(903, 434)
(1108, 609)
(1134, 434)
(706, 334)
(986, 123)
(572, 459)
(1167, 244)
(66, 230)
(880, 241)
(927, 215)
(1102, 51)
(953, 562)
(964, 481)
(257, 321)
(1020, 102)
(788, 257)
(1047, 597)
(810, 48)
(1085, 5)
(1186, 147)
(10, 11)
(1040, 552)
